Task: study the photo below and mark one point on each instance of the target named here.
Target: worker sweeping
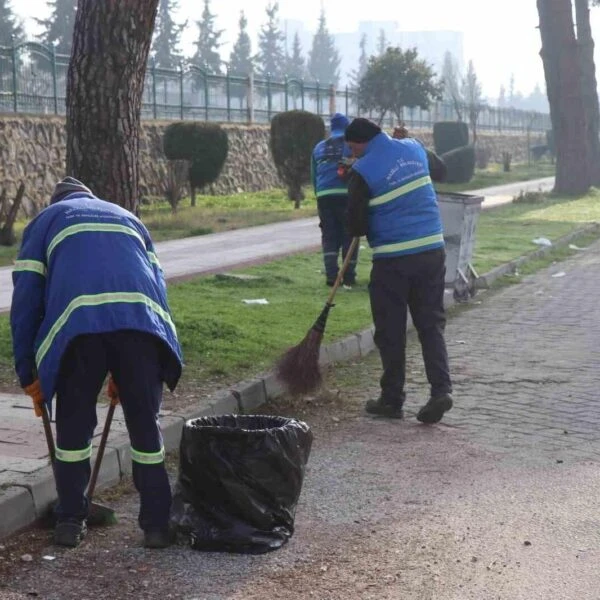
(89, 300)
(392, 200)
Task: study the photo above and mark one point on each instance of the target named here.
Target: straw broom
(299, 368)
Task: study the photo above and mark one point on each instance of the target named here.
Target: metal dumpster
(460, 213)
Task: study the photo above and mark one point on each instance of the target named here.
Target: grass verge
(494, 175)
(225, 340)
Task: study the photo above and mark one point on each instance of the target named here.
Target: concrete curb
(22, 504)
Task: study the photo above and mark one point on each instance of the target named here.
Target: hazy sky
(501, 37)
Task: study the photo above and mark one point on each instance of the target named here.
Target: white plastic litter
(542, 241)
(256, 301)
(559, 274)
(574, 247)
(48, 557)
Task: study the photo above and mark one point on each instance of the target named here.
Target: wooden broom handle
(344, 268)
(100, 455)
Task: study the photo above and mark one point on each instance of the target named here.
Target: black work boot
(69, 533)
(383, 408)
(434, 410)
(159, 538)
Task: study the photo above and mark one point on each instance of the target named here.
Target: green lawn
(222, 213)
(225, 340)
(507, 232)
(494, 175)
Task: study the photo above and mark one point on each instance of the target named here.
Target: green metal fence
(33, 79)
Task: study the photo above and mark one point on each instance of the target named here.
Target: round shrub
(460, 163)
(448, 135)
(204, 145)
(294, 134)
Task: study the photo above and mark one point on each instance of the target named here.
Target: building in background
(431, 45)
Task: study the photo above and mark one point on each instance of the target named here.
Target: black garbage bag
(240, 478)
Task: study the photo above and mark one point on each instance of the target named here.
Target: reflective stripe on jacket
(85, 266)
(326, 157)
(404, 217)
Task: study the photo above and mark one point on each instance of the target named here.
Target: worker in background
(392, 201)
(331, 190)
(90, 299)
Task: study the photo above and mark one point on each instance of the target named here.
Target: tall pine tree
(11, 29)
(58, 28)
(473, 97)
(271, 54)
(363, 62)
(382, 42)
(167, 36)
(241, 63)
(240, 60)
(324, 58)
(295, 64)
(207, 45)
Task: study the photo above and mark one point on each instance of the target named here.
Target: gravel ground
(389, 510)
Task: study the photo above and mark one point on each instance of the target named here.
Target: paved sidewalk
(26, 484)
(497, 502)
(218, 251)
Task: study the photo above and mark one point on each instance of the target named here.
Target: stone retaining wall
(32, 148)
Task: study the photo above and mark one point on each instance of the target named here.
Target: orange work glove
(35, 391)
(112, 391)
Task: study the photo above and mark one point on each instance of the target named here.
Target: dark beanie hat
(361, 131)
(67, 186)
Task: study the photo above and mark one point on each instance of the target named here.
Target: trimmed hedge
(204, 145)
(449, 135)
(294, 135)
(460, 163)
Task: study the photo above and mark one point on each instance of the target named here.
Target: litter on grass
(542, 241)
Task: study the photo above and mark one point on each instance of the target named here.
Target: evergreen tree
(271, 53)
(295, 64)
(240, 60)
(58, 29)
(207, 45)
(511, 91)
(167, 36)
(502, 97)
(452, 88)
(324, 58)
(396, 80)
(473, 97)
(363, 62)
(382, 43)
(11, 29)
(241, 63)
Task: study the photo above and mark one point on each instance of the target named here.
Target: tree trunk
(111, 41)
(560, 57)
(7, 233)
(296, 194)
(589, 86)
